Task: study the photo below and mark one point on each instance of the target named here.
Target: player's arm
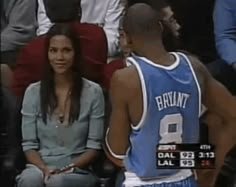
(117, 137)
(222, 104)
(219, 101)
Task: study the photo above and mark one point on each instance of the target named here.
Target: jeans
(33, 176)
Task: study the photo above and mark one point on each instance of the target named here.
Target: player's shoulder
(124, 77)
(197, 65)
(199, 69)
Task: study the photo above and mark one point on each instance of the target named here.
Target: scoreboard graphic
(185, 156)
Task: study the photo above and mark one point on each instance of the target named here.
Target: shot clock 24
(183, 156)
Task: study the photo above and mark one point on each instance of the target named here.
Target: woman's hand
(48, 173)
(67, 169)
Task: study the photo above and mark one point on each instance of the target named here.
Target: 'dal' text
(166, 155)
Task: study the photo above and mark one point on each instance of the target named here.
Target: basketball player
(156, 100)
(171, 28)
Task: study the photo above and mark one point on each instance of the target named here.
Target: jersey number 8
(173, 136)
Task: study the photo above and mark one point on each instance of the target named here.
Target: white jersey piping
(121, 157)
(144, 93)
(171, 67)
(197, 83)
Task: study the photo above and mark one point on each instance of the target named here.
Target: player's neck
(157, 55)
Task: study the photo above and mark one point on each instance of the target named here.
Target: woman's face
(61, 54)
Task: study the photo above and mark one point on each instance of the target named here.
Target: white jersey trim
(144, 93)
(121, 157)
(203, 109)
(171, 67)
(131, 179)
(197, 83)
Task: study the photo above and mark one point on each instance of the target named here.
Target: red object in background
(108, 71)
(29, 67)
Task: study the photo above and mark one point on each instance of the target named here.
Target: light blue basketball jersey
(171, 110)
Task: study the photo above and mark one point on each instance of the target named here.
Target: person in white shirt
(105, 13)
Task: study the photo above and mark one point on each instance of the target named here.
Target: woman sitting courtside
(62, 119)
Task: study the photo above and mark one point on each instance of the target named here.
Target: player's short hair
(141, 20)
(157, 5)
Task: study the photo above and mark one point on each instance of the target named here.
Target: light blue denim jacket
(225, 29)
(58, 145)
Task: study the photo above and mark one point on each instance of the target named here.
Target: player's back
(171, 108)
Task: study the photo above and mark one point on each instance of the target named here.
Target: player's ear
(128, 40)
(160, 25)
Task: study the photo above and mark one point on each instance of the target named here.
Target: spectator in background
(105, 13)
(30, 63)
(195, 18)
(171, 28)
(18, 27)
(225, 38)
(225, 30)
(62, 118)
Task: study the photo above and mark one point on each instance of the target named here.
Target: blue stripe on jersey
(171, 113)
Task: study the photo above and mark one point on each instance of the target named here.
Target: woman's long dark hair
(48, 98)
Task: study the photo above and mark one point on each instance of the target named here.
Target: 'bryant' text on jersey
(171, 99)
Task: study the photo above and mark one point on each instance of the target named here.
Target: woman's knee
(55, 181)
(72, 180)
(30, 177)
(89, 180)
